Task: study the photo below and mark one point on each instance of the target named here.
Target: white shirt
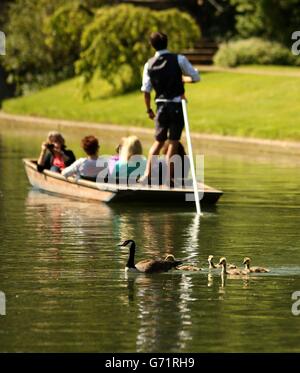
(83, 167)
(186, 68)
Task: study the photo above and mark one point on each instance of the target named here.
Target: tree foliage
(28, 57)
(271, 19)
(63, 30)
(115, 44)
(43, 40)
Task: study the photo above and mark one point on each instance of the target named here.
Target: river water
(63, 275)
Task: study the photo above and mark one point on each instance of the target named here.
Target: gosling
(247, 261)
(211, 264)
(190, 268)
(233, 271)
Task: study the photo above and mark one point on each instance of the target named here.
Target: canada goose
(191, 268)
(233, 271)
(247, 261)
(147, 265)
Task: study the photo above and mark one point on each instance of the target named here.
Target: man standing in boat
(166, 73)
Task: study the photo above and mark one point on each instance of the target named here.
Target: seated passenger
(114, 158)
(86, 168)
(54, 155)
(131, 159)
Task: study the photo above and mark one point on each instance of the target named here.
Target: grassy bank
(223, 103)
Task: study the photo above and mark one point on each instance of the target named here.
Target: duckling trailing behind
(147, 265)
(247, 261)
(211, 264)
(233, 271)
(231, 266)
(190, 268)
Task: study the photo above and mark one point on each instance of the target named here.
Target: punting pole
(190, 151)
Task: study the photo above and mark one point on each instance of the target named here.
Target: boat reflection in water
(54, 211)
(68, 230)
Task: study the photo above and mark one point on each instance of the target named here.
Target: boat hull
(109, 193)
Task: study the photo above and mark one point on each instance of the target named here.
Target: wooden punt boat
(83, 189)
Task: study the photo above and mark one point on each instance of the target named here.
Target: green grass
(223, 103)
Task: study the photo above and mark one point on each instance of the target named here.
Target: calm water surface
(63, 275)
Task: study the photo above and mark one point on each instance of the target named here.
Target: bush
(254, 51)
(115, 44)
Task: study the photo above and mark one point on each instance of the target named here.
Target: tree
(272, 19)
(115, 44)
(28, 58)
(63, 31)
(43, 39)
